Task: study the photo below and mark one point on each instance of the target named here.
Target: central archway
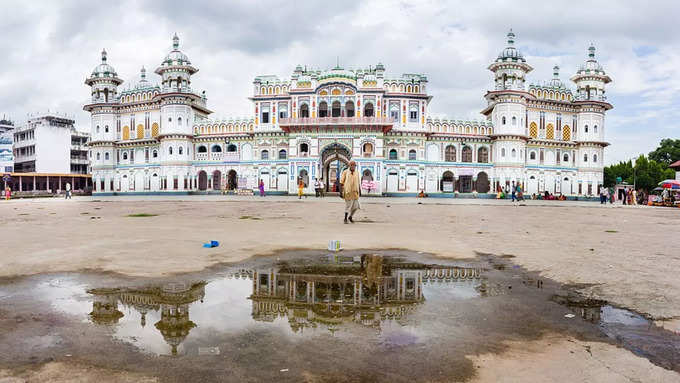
(232, 181)
(334, 159)
(202, 180)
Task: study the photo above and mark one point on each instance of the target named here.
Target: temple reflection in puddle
(171, 299)
(331, 293)
(366, 290)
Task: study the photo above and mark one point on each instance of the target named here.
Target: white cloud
(51, 47)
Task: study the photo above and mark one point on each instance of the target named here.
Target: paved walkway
(364, 200)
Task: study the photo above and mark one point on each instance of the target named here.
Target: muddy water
(357, 316)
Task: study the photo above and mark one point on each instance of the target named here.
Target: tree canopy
(667, 152)
(647, 171)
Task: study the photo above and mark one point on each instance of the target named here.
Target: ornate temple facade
(152, 138)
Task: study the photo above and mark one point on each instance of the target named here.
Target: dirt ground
(625, 255)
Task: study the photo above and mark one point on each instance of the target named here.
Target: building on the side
(6, 144)
(48, 154)
(50, 144)
(546, 136)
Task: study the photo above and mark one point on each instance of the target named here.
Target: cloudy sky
(50, 47)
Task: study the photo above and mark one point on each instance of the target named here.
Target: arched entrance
(232, 180)
(202, 180)
(334, 159)
(482, 183)
(446, 184)
(217, 180)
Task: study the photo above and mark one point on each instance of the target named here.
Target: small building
(50, 144)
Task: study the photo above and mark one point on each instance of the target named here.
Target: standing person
(612, 195)
(317, 187)
(8, 193)
(68, 190)
(261, 187)
(514, 193)
(349, 190)
(301, 188)
(520, 194)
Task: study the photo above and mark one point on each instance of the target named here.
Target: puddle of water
(368, 312)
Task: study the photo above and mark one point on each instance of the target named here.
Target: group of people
(7, 193)
(629, 196)
(515, 191)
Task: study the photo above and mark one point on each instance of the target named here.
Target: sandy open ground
(628, 256)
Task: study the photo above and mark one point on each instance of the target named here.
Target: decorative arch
(450, 153)
(566, 133)
(550, 132)
(533, 130)
(126, 132)
(140, 131)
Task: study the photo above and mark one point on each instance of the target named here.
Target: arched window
(450, 153)
(514, 120)
(393, 154)
(514, 153)
(565, 158)
(155, 154)
(466, 154)
(323, 109)
(585, 157)
(503, 120)
(502, 152)
(169, 119)
(106, 156)
(368, 110)
(585, 128)
(412, 155)
(202, 149)
(483, 155)
(282, 154)
(98, 156)
(125, 155)
(232, 148)
(216, 149)
(367, 149)
(595, 129)
(170, 150)
(180, 150)
(179, 121)
(264, 154)
(595, 158)
(304, 111)
(97, 128)
(304, 149)
(532, 155)
(106, 128)
(335, 109)
(349, 109)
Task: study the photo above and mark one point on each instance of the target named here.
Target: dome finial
(591, 51)
(103, 55)
(556, 71)
(143, 71)
(511, 37)
(175, 41)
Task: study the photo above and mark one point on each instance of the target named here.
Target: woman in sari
(301, 188)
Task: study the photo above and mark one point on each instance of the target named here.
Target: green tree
(646, 174)
(667, 152)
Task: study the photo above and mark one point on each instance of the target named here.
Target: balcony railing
(322, 121)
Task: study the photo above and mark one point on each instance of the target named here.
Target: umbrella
(670, 184)
(657, 189)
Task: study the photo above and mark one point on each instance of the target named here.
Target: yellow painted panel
(140, 131)
(154, 129)
(126, 133)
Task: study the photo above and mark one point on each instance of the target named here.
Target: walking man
(349, 190)
(68, 190)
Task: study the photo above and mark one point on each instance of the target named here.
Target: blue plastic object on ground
(214, 243)
(207, 245)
